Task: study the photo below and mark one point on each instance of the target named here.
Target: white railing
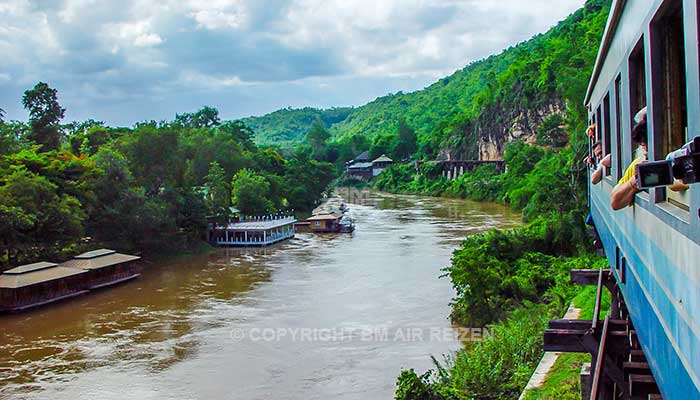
(257, 241)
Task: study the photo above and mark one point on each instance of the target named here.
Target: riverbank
(513, 281)
(173, 332)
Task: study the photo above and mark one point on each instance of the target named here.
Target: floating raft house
(37, 284)
(256, 231)
(105, 267)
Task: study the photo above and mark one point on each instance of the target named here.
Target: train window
(606, 129)
(617, 159)
(638, 84)
(669, 83)
(597, 125)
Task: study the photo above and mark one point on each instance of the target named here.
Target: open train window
(617, 158)
(669, 84)
(606, 129)
(597, 125)
(638, 84)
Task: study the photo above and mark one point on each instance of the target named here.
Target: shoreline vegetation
(150, 189)
(515, 281)
(510, 281)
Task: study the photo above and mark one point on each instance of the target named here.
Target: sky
(133, 60)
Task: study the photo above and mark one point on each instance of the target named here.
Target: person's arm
(597, 175)
(623, 194)
(678, 186)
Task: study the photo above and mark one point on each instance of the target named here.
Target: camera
(682, 164)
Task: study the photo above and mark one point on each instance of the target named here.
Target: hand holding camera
(680, 164)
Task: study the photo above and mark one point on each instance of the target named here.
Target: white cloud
(218, 14)
(131, 51)
(138, 33)
(147, 40)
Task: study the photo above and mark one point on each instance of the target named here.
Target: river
(316, 317)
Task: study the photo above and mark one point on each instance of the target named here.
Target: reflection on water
(173, 333)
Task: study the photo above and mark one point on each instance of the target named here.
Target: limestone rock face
(487, 137)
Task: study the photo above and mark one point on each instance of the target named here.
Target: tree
(218, 195)
(45, 113)
(317, 138)
(407, 141)
(383, 144)
(34, 213)
(10, 136)
(239, 132)
(153, 156)
(206, 117)
(306, 180)
(250, 192)
(552, 133)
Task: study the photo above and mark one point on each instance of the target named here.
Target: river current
(315, 317)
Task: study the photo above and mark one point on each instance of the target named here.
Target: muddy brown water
(316, 317)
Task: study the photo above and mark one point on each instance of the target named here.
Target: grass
(585, 300)
(563, 380)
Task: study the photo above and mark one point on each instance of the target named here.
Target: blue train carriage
(649, 58)
(649, 345)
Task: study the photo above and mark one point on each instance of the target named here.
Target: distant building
(380, 164)
(360, 171)
(253, 231)
(361, 168)
(360, 158)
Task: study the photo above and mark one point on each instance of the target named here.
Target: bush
(413, 387)
(499, 367)
(496, 271)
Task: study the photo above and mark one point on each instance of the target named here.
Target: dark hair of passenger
(639, 132)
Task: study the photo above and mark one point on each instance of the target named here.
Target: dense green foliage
(288, 126)
(153, 187)
(498, 271)
(515, 281)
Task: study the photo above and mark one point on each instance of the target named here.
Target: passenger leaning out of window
(623, 193)
(597, 175)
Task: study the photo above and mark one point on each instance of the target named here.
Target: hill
(289, 126)
(476, 110)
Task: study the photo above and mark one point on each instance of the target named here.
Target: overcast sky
(131, 60)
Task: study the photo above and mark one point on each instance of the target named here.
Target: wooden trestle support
(619, 369)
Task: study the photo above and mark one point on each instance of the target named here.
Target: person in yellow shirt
(623, 193)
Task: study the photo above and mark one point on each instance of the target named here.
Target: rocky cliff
(486, 138)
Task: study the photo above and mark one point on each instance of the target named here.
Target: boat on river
(331, 217)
